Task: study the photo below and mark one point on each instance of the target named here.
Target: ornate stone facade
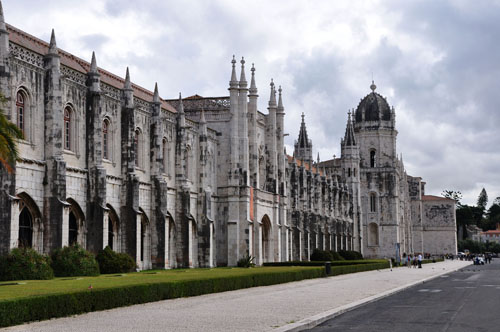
(185, 182)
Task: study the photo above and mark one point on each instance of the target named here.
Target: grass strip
(19, 310)
(333, 263)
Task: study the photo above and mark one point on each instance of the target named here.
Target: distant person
(408, 261)
(419, 261)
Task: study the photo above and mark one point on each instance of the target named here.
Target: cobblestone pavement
(285, 307)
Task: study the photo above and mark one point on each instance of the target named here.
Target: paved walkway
(286, 307)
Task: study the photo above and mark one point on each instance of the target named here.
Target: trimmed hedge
(74, 261)
(333, 263)
(350, 255)
(25, 264)
(114, 262)
(346, 269)
(13, 312)
(325, 255)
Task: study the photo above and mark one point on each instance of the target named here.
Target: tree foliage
(9, 134)
(482, 200)
(454, 195)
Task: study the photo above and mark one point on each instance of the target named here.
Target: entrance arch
(145, 238)
(266, 239)
(76, 229)
(113, 229)
(30, 226)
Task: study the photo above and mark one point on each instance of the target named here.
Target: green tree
(9, 134)
(454, 195)
(482, 200)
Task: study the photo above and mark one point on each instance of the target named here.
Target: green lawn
(10, 290)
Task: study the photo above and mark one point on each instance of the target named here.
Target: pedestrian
(408, 261)
(414, 264)
(403, 260)
(419, 261)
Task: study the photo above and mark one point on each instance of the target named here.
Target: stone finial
(234, 80)
(280, 100)
(373, 86)
(93, 64)
(302, 115)
(243, 79)
(253, 86)
(53, 44)
(272, 97)
(318, 158)
(156, 95)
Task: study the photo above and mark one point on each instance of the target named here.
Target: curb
(310, 322)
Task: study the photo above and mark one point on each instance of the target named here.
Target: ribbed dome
(373, 106)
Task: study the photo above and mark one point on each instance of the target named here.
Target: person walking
(419, 261)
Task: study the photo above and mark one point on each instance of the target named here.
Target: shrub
(350, 255)
(321, 255)
(336, 256)
(25, 264)
(246, 261)
(74, 261)
(114, 262)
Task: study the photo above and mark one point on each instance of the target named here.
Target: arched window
(105, 140)
(373, 158)
(67, 128)
(166, 155)
(349, 172)
(373, 202)
(73, 229)
(25, 228)
(111, 233)
(188, 162)
(21, 110)
(138, 148)
(373, 234)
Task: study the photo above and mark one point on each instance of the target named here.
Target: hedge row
(346, 269)
(14, 312)
(333, 263)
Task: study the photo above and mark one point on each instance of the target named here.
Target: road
(467, 300)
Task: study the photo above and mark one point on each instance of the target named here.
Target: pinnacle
(280, 100)
(243, 79)
(127, 85)
(156, 95)
(2, 18)
(234, 80)
(253, 87)
(53, 44)
(93, 64)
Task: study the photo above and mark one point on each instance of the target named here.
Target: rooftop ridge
(84, 67)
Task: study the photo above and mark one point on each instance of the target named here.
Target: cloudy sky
(437, 62)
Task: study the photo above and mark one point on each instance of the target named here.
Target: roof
(436, 198)
(372, 106)
(41, 47)
(492, 232)
(307, 166)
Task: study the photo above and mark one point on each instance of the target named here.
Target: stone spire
(127, 85)
(233, 83)
(349, 139)
(243, 79)
(93, 64)
(180, 113)
(128, 91)
(303, 146)
(53, 45)
(156, 95)
(2, 19)
(280, 101)
(253, 86)
(94, 82)
(272, 98)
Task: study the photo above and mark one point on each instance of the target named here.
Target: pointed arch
(113, 229)
(266, 228)
(145, 241)
(30, 233)
(77, 232)
(22, 113)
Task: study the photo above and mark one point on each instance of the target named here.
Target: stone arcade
(196, 181)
